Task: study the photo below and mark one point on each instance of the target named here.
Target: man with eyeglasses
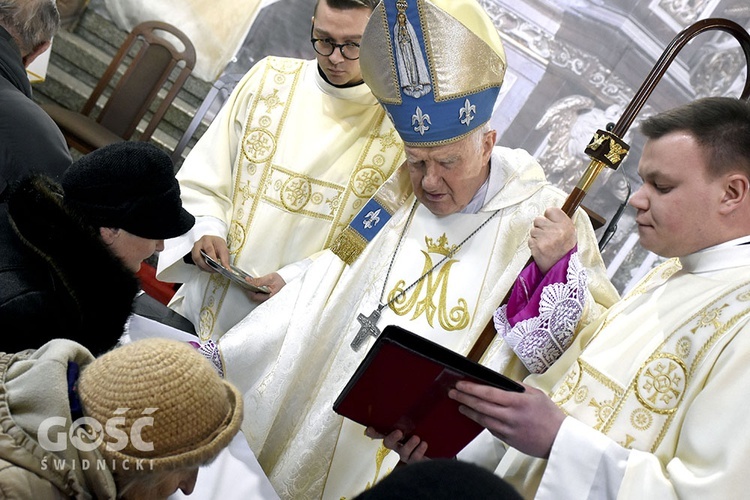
(297, 150)
(341, 68)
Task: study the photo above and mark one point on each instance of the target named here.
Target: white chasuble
(285, 166)
(440, 307)
(656, 378)
(291, 357)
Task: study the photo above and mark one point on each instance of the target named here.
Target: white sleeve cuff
(171, 268)
(484, 450)
(583, 463)
(294, 270)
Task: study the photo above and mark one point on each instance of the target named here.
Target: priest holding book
(647, 402)
(434, 251)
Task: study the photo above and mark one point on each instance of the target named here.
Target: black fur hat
(128, 185)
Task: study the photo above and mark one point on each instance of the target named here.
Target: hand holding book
(235, 274)
(402, 385)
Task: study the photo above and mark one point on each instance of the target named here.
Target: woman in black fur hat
(88, 235)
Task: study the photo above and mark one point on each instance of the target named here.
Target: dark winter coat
(29, 140)
(74, 287)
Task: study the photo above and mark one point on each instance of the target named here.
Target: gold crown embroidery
(441, 246)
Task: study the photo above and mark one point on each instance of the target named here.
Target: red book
(403, 384)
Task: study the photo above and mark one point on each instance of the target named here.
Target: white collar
(733, 253)
(360, 93)
(491, 186)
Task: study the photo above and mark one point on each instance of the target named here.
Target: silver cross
(369, 327)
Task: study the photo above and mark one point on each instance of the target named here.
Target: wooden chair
(154, 57)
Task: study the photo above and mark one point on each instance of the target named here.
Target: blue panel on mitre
(419, 118)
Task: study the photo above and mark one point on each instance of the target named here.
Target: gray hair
(477, 136)
(30, 22)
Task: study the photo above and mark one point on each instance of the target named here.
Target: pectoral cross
(369, 327)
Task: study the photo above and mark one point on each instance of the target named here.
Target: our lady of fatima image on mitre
(412, 70)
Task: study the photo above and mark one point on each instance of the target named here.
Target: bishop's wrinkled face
(339, 26)
(445, 178)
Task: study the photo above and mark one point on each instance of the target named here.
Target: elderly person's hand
(273, 281)
(411, 451)
(551, 237)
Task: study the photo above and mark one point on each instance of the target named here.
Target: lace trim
(210, 351)
(541, 340)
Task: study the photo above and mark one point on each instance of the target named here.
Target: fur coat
(71, 285)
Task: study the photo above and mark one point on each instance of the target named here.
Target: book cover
(403, 384)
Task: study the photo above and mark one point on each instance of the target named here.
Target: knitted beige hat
(159, 401)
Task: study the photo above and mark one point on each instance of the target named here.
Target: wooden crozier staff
(608, 149)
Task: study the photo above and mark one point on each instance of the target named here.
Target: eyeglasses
(325, 47)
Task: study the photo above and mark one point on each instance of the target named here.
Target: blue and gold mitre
(436, 66)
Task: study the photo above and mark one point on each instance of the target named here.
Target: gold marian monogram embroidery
(450, 318)
(379, 457)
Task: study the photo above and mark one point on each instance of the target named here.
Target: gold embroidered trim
(391, 195)
(349, 245)
(302, 194)
(257, 147)
(216, 289)
(371, 171)
(640, 415)
(259, 180)
(389, 53)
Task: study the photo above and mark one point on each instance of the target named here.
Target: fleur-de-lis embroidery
(466, 114)
(421, 119)
(371, 219)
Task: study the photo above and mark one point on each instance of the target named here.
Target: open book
(403, 384)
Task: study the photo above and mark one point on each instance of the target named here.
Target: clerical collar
(742, 240)
(345, 86)
(733, 253)
(486, 191)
